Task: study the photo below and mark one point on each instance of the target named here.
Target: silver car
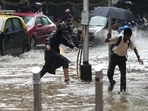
(96, 26)
(96, 32)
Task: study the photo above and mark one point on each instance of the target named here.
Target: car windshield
(98, 20)
(29, 21)
(1, 23)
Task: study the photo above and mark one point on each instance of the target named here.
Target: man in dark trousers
(118, 57)
(53, 58)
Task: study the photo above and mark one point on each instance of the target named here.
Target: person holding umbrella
(118, 57)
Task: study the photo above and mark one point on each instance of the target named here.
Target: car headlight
(99, 34)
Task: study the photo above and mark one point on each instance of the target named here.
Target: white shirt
(121, 49)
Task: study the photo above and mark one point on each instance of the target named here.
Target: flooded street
(16, 82)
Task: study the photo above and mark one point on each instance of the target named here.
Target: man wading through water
(53, 58)
(118, 57)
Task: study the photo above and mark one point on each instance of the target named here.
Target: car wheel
(2, 48)
(32, 44)
(1, 51)
(26, 48)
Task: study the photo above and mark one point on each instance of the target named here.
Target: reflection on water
(16, 88)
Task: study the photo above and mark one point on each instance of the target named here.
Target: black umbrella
(113, 12)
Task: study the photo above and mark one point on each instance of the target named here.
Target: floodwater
(16, 82)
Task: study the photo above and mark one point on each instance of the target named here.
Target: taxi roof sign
(7, 11)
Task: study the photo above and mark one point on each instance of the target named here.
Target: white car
(96, 32)
(96, 24)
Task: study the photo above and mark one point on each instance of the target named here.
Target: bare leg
(66, 75)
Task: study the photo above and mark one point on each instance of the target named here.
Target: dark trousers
(120, 61)
(53, 60)
(47, 68)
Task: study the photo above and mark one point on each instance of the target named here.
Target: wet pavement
(16, 88)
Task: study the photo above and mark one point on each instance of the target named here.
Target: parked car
(96, 25)
(13, 35)
(39, 27)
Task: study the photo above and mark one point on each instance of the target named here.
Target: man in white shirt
(118, 57)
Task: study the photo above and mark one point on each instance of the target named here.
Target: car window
(1, 24)
(26, 19)
(17, 24)
(39, 21)
(9, 25)
(46, 21)
(98, 20)
(29, 21)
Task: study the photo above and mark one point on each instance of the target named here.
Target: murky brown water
(16, 84)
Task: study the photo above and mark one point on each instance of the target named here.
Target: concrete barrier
(37, 89)
(99, 88)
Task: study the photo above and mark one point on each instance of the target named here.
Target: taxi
(13, 35)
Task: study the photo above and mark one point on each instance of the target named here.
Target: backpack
(116, 44)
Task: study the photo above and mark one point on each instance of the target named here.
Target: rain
(16, 78)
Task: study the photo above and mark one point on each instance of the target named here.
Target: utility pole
(47, 1)
(85, 69)
(109, 28)
(109, 19)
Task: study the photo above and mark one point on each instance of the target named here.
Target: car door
(14, 36)
(43, 30)
(39, 30)
(20, 36)
(8, 43)
(47, 27)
